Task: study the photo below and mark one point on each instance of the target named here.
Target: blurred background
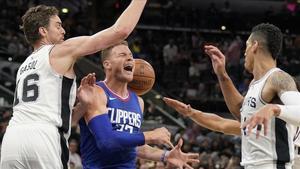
(170, 35)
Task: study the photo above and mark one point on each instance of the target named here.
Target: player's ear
(255, 46)
(42, 31)
(106, 64)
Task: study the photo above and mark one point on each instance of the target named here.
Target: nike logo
(111, 98)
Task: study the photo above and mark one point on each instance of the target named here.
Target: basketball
(143, 77)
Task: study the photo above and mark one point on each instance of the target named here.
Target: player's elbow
(108, 144)
(122, 31)
(221, 129)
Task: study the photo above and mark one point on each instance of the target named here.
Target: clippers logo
(125, 120)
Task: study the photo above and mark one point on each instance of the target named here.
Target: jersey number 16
(30, 89)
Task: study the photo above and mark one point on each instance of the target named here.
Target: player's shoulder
(282, 81)
(140, 99)
(281, 77)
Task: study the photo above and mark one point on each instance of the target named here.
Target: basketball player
(274, 148)
(120, 110)
(45, 89)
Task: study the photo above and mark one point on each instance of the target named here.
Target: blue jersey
(126, 116)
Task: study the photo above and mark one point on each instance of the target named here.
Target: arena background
(170, 36)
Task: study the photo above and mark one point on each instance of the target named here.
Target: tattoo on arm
(283, 82)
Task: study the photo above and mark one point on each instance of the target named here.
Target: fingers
(83, 81)
(193, 161)
(266, 128)
(194, 156)
(250, 126)
(179, 144)
(180, 107)
(212, 50)
(216, 56)
(89, 79)
(92, 79)
(164, 137)
(169, 144)
(172, 102)
(257, 122)
(258, 130)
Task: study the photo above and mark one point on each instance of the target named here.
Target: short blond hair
(106, 52)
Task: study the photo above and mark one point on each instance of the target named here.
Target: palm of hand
(85, 93)
(177, 158)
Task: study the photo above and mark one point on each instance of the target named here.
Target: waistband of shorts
(33, 124)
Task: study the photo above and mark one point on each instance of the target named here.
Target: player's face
(55, 32)
(73, 146)
(248, 56)
(122, 63)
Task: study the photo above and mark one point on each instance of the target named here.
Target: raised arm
(207, 120)
(231, 95)
(70, 50)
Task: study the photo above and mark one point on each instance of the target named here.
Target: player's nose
(129, 58)
(63, 31)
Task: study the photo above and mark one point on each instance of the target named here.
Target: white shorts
(33, 146)
(296, 164)
(269, 166)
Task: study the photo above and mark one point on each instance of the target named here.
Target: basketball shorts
(33, 146)
(269, 166)
(296, 164)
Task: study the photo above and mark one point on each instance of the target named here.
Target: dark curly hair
(269, 36)
(34, 18)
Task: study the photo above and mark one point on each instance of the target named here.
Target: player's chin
(247, 68)
(60, 41)
(129, 78)
(246, 65)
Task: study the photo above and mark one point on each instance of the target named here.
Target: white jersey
(41, 116)
(274, 149)
(42, 95)
(296, 164)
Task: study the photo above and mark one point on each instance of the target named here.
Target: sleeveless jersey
(277, 146)
(126, 116)
(42, 95)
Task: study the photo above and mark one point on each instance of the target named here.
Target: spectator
(74, 159)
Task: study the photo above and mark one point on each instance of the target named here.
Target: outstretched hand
(87, 92)
(260, 120)
(179, 159)
(183, 109)
(161, 136)
(217, 58)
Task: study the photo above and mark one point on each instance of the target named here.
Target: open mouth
(128, 68)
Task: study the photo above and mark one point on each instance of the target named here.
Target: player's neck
(119, 88)
(262, 66)
(39, 44)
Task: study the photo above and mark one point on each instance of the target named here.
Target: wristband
(164, 156)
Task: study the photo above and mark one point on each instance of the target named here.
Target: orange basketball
(143, 77)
